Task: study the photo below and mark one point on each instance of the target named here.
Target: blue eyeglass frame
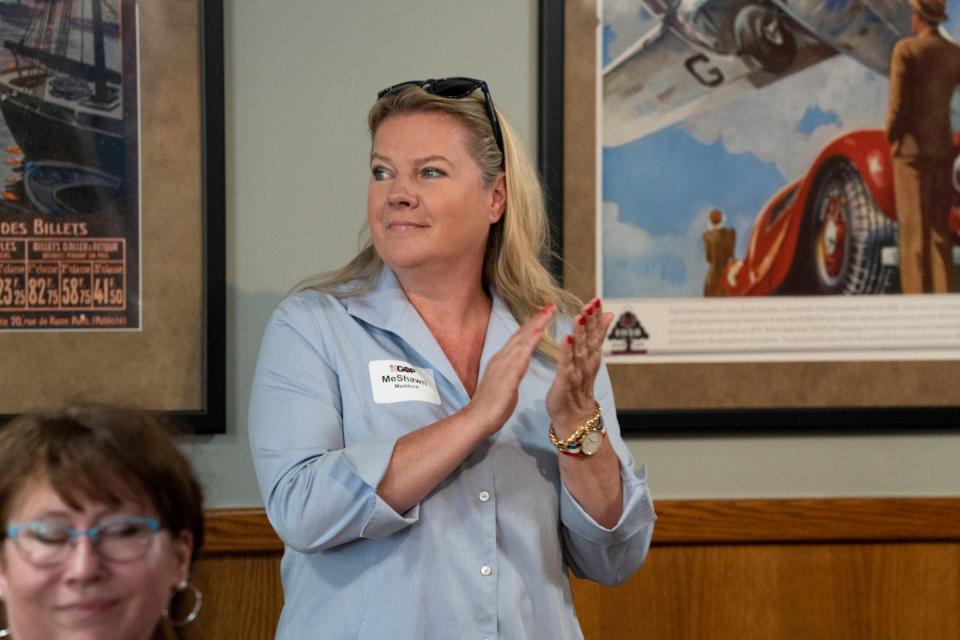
(456, 88)
(93, 532)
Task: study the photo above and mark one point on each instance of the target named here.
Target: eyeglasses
(455, 89)
(46, 544)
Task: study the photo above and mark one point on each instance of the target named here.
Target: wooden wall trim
(691, 522)
(239, 531)
(807, 520)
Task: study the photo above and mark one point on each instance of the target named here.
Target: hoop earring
(197, 603)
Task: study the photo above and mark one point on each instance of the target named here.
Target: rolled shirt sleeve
(610, 556)
(318, 492)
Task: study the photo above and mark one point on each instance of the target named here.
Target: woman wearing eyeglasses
(433, 431)
(101, 517)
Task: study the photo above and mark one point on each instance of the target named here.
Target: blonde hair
(518, 244)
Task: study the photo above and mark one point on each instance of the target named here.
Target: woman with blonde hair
(434, 458)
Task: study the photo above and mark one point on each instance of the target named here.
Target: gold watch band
(590, 424)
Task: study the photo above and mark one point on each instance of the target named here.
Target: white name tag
(399, 381)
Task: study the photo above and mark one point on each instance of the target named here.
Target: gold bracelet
(589, 425)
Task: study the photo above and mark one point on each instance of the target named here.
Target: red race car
(834, 230)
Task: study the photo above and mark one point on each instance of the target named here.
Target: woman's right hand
(498, 390)
(424, 457)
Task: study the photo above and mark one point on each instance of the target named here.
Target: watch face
(591, 443)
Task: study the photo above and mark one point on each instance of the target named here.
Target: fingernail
(596, 303)
(569, 339)
(582, 320)
(589, 311)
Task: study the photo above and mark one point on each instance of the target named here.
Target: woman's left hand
(570, 399)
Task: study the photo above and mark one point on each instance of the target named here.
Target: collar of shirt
(386, 307)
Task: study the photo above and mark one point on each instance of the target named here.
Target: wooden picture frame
(678, 398)
(171, 358)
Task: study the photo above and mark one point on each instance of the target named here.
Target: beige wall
(300, 76)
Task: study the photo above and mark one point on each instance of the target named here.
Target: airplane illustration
(703, 52)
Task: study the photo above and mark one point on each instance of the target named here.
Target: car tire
(843, 235)
(763, 41)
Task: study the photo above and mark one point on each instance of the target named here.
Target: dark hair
(108, 455)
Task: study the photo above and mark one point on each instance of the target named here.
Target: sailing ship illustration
(63, 106)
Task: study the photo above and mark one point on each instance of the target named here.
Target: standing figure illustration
(924, 71)
(718, 243)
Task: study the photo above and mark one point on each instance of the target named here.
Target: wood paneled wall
(836, 569)
(866, 591)
(239, 574)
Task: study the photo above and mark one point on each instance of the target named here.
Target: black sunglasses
(455, 89)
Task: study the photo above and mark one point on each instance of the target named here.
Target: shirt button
(485, 570)
(484, 496)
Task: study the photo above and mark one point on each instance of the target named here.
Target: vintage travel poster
(69, 214)
(747, 209)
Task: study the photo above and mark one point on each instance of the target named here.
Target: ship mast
(98, 73)
(99, 56)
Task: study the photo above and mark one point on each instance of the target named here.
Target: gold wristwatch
(586, 440)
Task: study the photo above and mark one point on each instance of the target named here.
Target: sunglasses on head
(455, 89)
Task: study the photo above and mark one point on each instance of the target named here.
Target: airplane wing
(662, 79)
(652, 85)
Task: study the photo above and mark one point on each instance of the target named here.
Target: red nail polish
(582, 320)
(596, 303)
(569, 339)
(589, 311)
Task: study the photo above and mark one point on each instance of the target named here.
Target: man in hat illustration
(718, 244)
(924, 71)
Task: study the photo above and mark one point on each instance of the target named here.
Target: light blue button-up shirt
(486, 553)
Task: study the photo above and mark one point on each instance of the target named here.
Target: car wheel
(762, 39)
(844, 232)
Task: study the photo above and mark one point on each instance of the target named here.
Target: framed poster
(720, 175)
(112, 258)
